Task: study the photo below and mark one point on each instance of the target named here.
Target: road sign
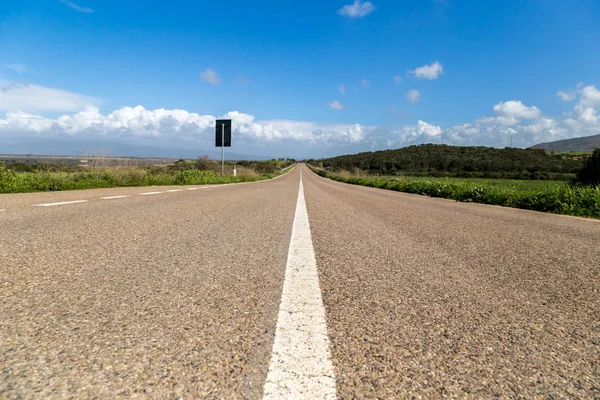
(223, 128)
(223, 139)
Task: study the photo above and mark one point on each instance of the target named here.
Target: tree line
(459, 161)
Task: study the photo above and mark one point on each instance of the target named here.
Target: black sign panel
(219, 132)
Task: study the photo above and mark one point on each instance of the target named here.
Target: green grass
(39, 181)
(546, 196)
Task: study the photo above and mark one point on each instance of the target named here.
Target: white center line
(113, 197)
(149, 193)
(174, 190)
(301, 366)
(60, 203)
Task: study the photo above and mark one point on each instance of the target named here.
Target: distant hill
(581, 144)
(458, 161)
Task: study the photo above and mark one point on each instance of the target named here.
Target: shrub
(589, 175)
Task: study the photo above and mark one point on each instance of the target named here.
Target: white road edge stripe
(192, 188)
(174, 190)
(113, 197)
(149, 193)
(301, 366)
(2, 210)
(60, 203)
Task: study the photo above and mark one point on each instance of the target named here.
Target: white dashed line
(2, 210)
(113, 197)
(61, 203)
(149, 193)
(301, 366)
(192, 188)
(174, 190)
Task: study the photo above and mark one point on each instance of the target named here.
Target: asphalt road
(177, 294)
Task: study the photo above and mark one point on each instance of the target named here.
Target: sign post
(223, 138)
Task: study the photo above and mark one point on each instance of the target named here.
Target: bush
(589, 175)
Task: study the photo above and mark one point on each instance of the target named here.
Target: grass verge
(40, 181)
(553, 197)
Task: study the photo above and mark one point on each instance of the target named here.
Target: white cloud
(342, 89)
(567, 96)
(77, 7)
(590, 96)
(512, 112)
(161, 124)
(397, 79)
(357, 9)
(210, 76)
(422, 132)
(34, 98)
(413, 96)
(18, 68)
(336, 105)
(432, 71)
(365, 83)
(526, 124)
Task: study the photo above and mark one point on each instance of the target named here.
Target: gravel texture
(429, 298)
(173, 295)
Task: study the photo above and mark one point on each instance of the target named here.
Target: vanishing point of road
(296, 287)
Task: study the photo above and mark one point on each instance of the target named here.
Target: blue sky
(472, 72)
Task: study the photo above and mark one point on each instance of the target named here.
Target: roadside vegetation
(589, 175)
(459, 162)
(20, 178)
(580, 196)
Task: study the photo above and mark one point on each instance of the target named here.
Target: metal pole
(223, 149)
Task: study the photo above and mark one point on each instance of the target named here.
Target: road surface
(275, 289)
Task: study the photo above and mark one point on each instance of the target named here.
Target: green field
(511, 184)
(547, 196)
(64, 177)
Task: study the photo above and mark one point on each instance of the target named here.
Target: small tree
(590, 173)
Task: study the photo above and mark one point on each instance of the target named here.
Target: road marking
(301, 366)
(192, 188)
(149, 193)
(113, 197)
(60, 203)
(2, 210)
(174, 190)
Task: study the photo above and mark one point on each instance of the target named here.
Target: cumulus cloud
(34, 98)
(357, 9)
(590, 96)
(336, 105)
(413, 96)
(432, 71)
(365, 83)
(210, 76)
(77, 7)
(511, 113)
(525, 123)
(422, 132)
(397, 79)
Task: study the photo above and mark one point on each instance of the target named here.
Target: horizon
(299, 82)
